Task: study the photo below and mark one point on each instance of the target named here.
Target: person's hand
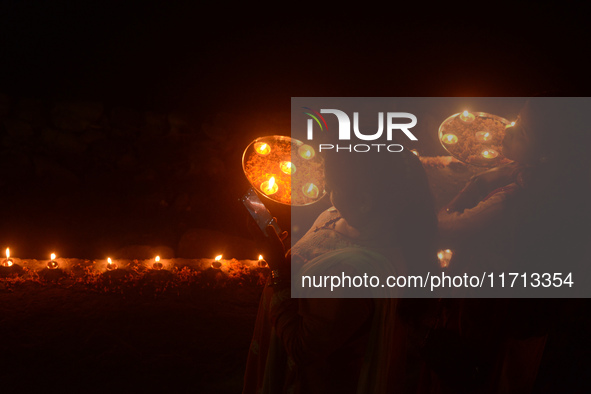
(480, 186)
(270, 246)
(274, 250)
(494, 178)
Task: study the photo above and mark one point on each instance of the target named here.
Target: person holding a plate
(385, 223)
(526, 216)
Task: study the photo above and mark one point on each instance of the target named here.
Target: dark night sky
(215, 57)
(248, 61)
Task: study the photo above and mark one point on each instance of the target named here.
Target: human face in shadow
(353, 207)
(518, 144)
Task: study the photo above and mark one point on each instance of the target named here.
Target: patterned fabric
(310, 345)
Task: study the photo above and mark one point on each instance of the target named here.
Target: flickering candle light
(310, 190)
(449, 139)
(52, 264)
(262, 148)
(306, 152)
(287, 167)
(217, 263)
(157, 264)
(270, 186)
(489, 153)
(415, 152)
(110, 264)
(262, 262)
(467, 117)
(8, 262)
(444, 257)
(483, 136)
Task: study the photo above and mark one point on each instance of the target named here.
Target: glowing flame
(7, 262)
(262, 148)
(467, 117)
(489, 154)
(110, 264)
(444, 257)
(450, 139)
(415, 152)
(513, 123)
(483, 136)
(310, 190)
(260, 257)
(52, 264)
(306, 152)
(157, 259)
(217, 264)
(270, 187)
(287, 167)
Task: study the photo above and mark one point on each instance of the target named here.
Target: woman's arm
(482, 185)
(486, 217)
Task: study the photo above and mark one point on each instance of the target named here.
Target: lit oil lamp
(270, 186)
(262, 262)
(449, 139)
(510, 125)
(489, 153)
(52, 264)
(110, 265)
(8, 262)
(444, 257)
(310, 190)
(157, 264)
(483, 136)
(306, 152)
(262, 148)
(415, 152)
(287, 167)
(467, 117)
(217, 263)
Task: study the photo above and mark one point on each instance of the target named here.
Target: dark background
(174, 92)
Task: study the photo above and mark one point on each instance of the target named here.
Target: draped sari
(329, 345)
